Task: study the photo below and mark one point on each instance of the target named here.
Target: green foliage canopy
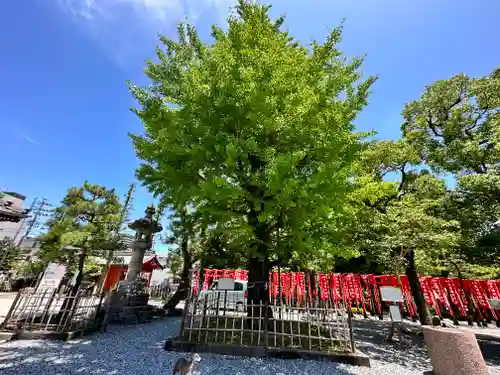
(455, 126)
(255, 131)
(87, 220)
(10, 254)
(398, 205)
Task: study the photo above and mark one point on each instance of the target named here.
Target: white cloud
(30, 140)
(128, 28)
(110, 10)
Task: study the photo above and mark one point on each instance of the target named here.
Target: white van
(235, 299)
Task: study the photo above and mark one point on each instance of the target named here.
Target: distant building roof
(15, 195)
(10, 212)
(128, 253)
(127, 239)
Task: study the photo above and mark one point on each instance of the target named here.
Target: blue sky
(65, 108)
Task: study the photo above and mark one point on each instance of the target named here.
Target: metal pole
(38, 211)
(21, 225)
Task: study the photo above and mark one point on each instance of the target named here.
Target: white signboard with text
(494, 303)
(52, 276)
(391, 294)
(225, 283)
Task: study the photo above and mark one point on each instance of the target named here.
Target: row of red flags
(442, 293)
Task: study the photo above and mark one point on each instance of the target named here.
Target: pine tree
(83, 225)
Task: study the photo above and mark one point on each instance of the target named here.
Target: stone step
(6, 335)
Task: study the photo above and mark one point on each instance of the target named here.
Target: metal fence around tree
(162, 291)
(47, 310)
(307, 324)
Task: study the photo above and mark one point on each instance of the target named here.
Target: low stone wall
(356, 359)
(454, 352)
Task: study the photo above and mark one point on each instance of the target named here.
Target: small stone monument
(130, 300)
(454, 352)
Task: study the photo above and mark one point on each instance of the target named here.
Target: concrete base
(134, 309)
(136, 314)
(357, 358)
(46, 335)
(454, 352)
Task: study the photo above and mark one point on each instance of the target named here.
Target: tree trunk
(470, 303)
(416, 291)
(258, 276)
(70, 299)
(79, 276)
(444, 273)
(182, 291)
(258, 293)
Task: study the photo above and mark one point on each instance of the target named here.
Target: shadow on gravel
(138, 350)
(121, 350)
(410, 352)
(491, 352)
(71, 359)
(370, 337)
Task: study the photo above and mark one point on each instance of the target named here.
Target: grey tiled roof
(128, 252)
(11, 214)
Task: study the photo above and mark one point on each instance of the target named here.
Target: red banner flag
(196, 281)
(425, 291)
(275, 284)
(455, 296)
(323, 284)
(309, 288)
(406, 291)
(293, 284)
(207, 274)
(301, 287)
(479, 294)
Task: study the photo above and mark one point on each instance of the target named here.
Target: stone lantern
(144, 229)
(129, 302)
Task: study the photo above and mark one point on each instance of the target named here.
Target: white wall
(9, 229)
(159, 276)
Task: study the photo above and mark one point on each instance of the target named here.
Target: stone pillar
(144, 228)
(136, 261)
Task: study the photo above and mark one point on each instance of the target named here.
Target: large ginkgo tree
(254, 130)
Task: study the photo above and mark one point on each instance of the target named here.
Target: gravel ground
(139, 350)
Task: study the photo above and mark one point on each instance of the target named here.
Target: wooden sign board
(225, 283)
(391, 294)
(52, 276)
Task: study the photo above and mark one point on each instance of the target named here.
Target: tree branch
(275, 263)
(381, 204)
(433, 126)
